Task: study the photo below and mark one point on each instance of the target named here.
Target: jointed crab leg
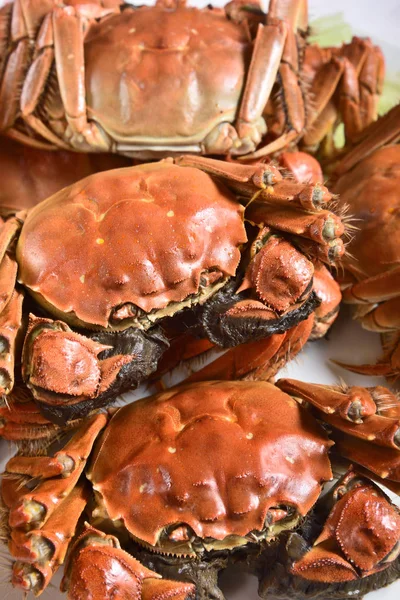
(294, 13)
(263, 180)
(40, 552)
(266, 58)
(258, 360)
(10, 322)
(43, 519)
(290, 207)
(384, 131)
(359, 415)
(35, 507)
(374, 289)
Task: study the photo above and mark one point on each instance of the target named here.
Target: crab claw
(98, 568)
(361, 535)
(63, 369)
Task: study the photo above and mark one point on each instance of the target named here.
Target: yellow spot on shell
(290, 459)
(82, 279)
(270, 189)
(171, 450)
(170, 213)
(132, 30)
(100, 241)
(249, 436)
(142, 488)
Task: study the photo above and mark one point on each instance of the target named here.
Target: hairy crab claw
(266, 87)
(369, 179)
(102, 267)
(179, 484)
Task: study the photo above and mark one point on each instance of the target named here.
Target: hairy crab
(204, 474)
(110, 258)
(154, 81)
(369, 184)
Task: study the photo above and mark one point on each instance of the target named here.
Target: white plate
(347, 341)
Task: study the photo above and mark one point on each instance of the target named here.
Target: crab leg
(294, 14)
(40, 552)
(264, 179)
(374, 289)
(10, 323)
(95, 555)
(361, 535)
(34, 508)
(385, 317)
(388, 365)
(36, 80)
(258, 360)
(321, 227)
(265, 62)
(23, 421)
(367, 436)
(22, 20)
(386, 130)
(69, 34)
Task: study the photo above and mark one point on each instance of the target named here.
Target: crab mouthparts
(181, 540)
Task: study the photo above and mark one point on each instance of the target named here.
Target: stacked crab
(130, 270)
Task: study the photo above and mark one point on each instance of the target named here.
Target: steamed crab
(165, 79)
(202, 474)
(109, 259)
(369, 183)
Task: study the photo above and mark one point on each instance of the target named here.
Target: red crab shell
(141, 235)
(215, 456)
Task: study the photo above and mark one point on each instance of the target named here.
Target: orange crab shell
(188, 71)
(215, 456)
(141, 235)
(371, 190)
